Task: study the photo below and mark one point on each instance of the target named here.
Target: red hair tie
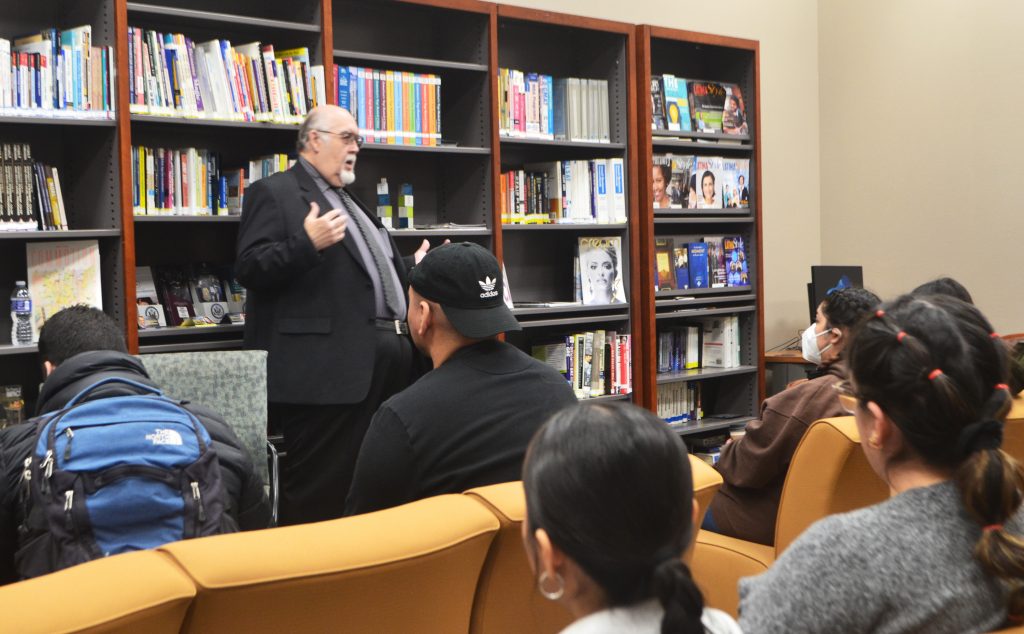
(1002, 386)
(992, 527)
(879, 313)
(994, 335)
(900, 335)
(934, 373)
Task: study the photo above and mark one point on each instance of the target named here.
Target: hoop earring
(551, 595)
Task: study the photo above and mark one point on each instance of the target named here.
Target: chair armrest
(720, 561)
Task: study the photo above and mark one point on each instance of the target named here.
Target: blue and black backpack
(117, 474)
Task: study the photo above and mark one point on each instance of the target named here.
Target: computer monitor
(825, 279)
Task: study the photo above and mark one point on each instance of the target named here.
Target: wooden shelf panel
(704, 425)
(572, 321)
(217, 123)
(57, 117)
(200, 219)
(705, 312)
(75, 234)
(607, 398)
(7, 349)
(567, 308)
(565, 226)
(403, 60)
(507, 140)
(193, 332)
(702, 374)
(428, 149)
(703, 220)
(685, 135)
(218, 18)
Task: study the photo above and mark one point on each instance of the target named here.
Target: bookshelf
(729, 396)
(82, 145)
(539, 258)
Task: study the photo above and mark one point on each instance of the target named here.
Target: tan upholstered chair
(1013, 432)
(829, 474)
(506, 598)
(135, 592)
(413, 568)
(706, 482)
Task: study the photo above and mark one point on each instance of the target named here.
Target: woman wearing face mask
(754, 467)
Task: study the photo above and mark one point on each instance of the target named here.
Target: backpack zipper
(47, 466)
(199, 501)
(26, 475)
(69, 499)
(67, 448)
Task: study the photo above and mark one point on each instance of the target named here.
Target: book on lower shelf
(594, 363)
(575, 191)
(61, 274)
(199, 294)
(31, 197)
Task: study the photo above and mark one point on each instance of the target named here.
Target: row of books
(31, 198)
(188, 295)
(680, 402)
(713, 262)
(681, 105)
(169, 74)
(391, 106)
(538, 106)
(595, 363)
(57, 70)
(577, 191)
(700, 182)
(712, 342)
(192, 182)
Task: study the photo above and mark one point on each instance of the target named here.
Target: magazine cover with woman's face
(601, 270)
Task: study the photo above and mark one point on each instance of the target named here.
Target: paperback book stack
(31, 198)
(537, 106)
(392, 107)
(58, 71)
(169, 74)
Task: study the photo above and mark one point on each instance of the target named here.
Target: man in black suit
(326, 297)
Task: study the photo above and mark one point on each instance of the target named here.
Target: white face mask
(809, 345)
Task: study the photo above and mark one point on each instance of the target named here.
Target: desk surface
(784, 356)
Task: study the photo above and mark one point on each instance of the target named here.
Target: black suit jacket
(312, 311)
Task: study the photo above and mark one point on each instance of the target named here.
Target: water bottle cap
(19, 284)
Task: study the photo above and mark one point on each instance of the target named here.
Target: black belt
(396, 326)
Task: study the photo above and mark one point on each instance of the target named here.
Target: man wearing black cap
(467, 422)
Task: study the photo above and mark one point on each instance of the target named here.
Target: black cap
(465, 279)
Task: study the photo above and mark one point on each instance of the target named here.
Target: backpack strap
(107, 381)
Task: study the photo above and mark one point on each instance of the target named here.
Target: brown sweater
(754, 467)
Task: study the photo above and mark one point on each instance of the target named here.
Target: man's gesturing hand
(325, 230)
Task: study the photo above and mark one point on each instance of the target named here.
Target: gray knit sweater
(904, 565)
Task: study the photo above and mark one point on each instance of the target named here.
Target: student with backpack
(109, 464)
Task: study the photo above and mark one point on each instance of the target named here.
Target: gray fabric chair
(234, 384)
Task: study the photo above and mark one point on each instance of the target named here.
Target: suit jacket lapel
(312, 193)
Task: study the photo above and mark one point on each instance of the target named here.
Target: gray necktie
(367, 230)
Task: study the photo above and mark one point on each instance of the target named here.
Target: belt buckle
(398, 327)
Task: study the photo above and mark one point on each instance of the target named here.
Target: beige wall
(921, 136)
(787, 31)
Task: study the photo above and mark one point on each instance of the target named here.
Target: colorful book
(735, 178)
(706, 101)
(658, 121)
(698, 260)
(734, 112)
(663, 255)
(716, 261)
(677, 109)
(736, 262)
(682, 267)
(708, 180)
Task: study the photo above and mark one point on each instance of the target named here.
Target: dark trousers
(322, 441)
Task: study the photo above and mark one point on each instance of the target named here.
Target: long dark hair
(935, 367)
(611, 485)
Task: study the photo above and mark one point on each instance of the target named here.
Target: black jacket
(313, 311)
(246, 504)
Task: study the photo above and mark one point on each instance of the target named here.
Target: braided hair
(611, 485)
(933, 364)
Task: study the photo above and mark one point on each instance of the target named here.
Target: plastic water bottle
(21, 315)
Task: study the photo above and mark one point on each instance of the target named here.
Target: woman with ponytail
(944, 554)
(609, 513)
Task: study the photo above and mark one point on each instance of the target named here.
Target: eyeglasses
(346, 137)
(848, 398)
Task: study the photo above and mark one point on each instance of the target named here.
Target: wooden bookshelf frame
(642, 177)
